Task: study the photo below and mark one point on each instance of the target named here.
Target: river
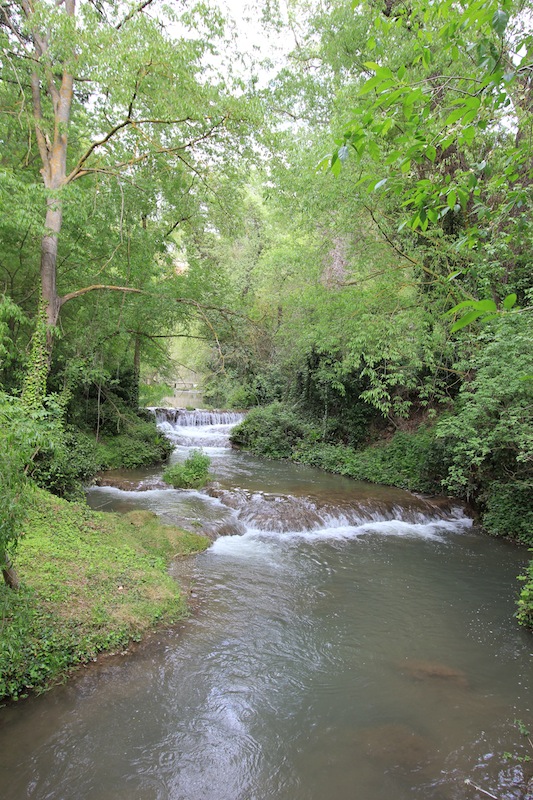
(348, 641)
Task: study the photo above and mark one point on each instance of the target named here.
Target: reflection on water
(368, 653)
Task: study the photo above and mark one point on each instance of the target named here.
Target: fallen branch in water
(479, 789)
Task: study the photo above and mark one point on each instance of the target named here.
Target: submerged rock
(394, 745)
(435, 671)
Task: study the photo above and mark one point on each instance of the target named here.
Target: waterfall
(197, 429)
(199, 417)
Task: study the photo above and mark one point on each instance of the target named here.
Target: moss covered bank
(91, 582)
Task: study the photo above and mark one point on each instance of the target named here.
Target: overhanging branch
(97, 287)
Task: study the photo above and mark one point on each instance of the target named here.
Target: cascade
(198, 417)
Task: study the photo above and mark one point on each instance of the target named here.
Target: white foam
(246, 546)
(136, 493)
(251, 542)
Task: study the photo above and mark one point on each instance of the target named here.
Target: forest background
(341, 232)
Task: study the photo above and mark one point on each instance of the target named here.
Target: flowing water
(350, 642)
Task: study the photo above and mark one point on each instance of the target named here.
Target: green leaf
(451, 199)
(468, 134)
(371, 83)
(463, 304)
(469, 116)
(336, 165)
(500, 18)
(485, 305)
(456, 114)
(392, 157)
(465, 320)
(509, 301)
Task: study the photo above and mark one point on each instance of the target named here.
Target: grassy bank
(92, 582)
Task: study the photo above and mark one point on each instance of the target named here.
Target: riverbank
(91, 582)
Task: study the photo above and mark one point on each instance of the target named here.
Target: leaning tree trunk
(10, 576)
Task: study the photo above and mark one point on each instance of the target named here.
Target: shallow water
(350, 642)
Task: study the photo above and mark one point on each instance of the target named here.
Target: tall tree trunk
(48, 87)
(49, 245)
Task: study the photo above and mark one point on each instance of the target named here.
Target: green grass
(92, 582)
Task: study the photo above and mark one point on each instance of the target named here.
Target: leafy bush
(22, 433)
(192, 474)
(490, 437)
(524, 614)
(65, 467)
(141, 444)
(509, 510)
(241, 397)
(273, 431)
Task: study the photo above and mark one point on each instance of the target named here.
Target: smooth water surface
(351, 642)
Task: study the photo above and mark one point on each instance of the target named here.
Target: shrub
(524, 614)
(414, 461)
(490, 436)
(64, 468)
(141, 444)
(273, 431)
(192, 474)
(509, 511)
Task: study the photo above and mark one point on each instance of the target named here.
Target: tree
(109, 97)
(443, 125)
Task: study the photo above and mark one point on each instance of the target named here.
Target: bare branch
(97, 287)
(75, 172)
(178, 222)
(137, 10)
(78, 170)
